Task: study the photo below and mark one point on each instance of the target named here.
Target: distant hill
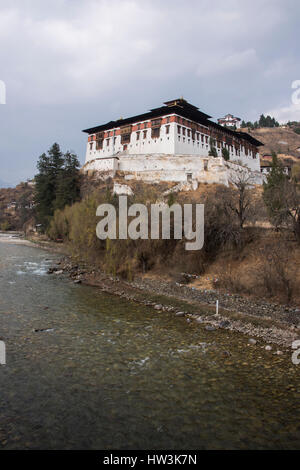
(281, 140)
(16, 205)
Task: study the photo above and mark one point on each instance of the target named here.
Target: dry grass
(268, 267)
(234, 259)
(273, 139)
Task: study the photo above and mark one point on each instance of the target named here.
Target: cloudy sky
(71, 64)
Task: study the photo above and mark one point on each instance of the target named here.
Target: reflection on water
(103, 373)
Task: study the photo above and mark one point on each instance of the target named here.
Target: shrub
(5, 226)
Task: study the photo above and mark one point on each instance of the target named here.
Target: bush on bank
(227, 244)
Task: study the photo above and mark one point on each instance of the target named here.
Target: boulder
(158, 307)
(252, 341)
(210, 328)
(179, 314)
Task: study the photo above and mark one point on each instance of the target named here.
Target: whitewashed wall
(176, 168)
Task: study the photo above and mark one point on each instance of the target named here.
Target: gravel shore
(271, 322)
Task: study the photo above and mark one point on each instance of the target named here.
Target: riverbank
(275, 324)
(13, 237)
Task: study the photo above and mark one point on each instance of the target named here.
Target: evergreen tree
(68, 182)
(262, 121)
(57, 182)
(44, 190)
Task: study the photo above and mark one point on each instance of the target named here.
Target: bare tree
(241, 200)
(283, 202)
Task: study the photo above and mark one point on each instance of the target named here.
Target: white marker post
(2, 353)
(217, 307)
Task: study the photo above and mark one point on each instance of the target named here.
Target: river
(109, 374)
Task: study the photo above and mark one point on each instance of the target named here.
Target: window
(91, 145)
(138, 136)
(168, 119)
(183, 130)
(125, 139)
(145, 134)
(99, 144)
(156, 123)
(167, 129)
(178, 129)
(99, 140)
(115, 140)
(138, 127)
(189, 133)
(155, 132)
(100, 135)
(125, 134)
(189, 176)
(107, 142)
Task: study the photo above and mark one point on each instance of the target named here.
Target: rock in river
(224, 323)
(179, 314)
(158, 307)
(252, 341)
(210, 328)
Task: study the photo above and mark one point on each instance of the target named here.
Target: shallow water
(112, 374)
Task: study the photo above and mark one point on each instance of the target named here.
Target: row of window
(125, 138)
(155, 133)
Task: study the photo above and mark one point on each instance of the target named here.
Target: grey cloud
(69, 65)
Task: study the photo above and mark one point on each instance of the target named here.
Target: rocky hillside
(16, 206)
(283, 140)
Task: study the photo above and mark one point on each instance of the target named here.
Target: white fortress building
(230, 121)
(176, 142)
